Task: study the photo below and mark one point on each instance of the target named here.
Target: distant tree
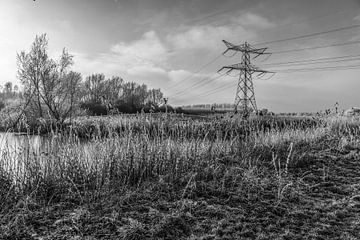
(49, 85)
(112, 92)
(94, 87)
(8, 88)
(134, 95)
(155, 96)
(101, 95)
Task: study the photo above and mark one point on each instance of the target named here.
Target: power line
(317, 47)
(204, 81)
(218, 89)
(211, 15)
(332, 13)
(316, 60)
(332, 68)
(341, 67)
(328, 68)
(311, 34)
(197, 71)
(303, 62)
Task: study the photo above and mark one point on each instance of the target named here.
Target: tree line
(51, 89)
(8, 93)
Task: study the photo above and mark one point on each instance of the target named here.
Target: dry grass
(174, 178)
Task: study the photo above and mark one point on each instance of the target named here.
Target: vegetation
(49, 85)
(148, 175)
(101, 95)
(167, 177)
(52, 93)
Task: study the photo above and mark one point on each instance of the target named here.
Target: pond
(20, 146)
(13, 142)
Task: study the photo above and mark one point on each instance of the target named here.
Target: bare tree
(48, 83)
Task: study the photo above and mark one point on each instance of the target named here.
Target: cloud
(140, 58)
(199, 37)
(253, 20)
(149, 48)
(208, 36)
(145, 70)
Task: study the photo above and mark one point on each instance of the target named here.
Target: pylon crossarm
(260, 74)
(266, 58)
(227, 50)
(258, 51)
(228, 45)
(261, 71)
(220, 70)
(237, 66)
(233, 47)
(259, 54)
(228, 70)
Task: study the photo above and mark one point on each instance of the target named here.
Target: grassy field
(175, 177)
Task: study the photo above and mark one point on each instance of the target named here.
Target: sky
(177, 45)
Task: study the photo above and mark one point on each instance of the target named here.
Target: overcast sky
(165, 44)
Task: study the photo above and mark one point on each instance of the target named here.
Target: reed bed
(145, 149)
(174, 159)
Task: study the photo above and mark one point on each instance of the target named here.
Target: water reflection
(13, 142)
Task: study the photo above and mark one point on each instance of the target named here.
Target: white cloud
(252, 20)
(179, 75)
(141, 59)
(149, 48)
(145, 70)
(208, 36)
(199, 37)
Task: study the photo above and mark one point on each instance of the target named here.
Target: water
(14, 142)
(18, 149)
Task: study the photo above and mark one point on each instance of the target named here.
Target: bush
(124, 107)
(94, 108)
(163, 109)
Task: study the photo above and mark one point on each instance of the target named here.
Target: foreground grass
(288, 182)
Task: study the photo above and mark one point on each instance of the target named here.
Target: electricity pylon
(245, 94)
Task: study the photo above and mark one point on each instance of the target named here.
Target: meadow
(174, 177)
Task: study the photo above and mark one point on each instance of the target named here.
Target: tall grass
(122, 153)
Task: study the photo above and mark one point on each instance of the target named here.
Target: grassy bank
(87, 127)
(174, 178)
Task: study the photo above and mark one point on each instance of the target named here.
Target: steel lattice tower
(245, 94)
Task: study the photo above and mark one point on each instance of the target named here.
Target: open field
(142, 177)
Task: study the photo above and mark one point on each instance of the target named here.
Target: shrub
(94, 108)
